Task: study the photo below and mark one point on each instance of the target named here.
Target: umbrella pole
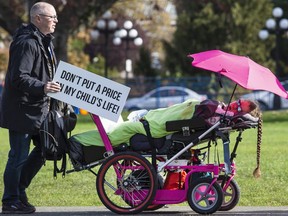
(230, 98)
(233, 93)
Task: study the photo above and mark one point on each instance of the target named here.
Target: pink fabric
(240, 69)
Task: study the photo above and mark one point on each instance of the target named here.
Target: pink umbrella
(240, 69)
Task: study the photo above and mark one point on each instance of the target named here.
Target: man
(25, 103)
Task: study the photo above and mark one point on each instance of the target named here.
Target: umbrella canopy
(240, 69)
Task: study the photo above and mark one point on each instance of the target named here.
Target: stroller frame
(136, 185)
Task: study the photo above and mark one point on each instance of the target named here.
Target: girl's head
(242, 105)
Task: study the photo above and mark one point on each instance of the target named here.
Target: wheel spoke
(204, 197)
(126, 183)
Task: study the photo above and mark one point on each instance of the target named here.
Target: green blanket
(156, 118)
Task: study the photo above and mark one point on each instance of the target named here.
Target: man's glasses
(239, 109)
(51, 17)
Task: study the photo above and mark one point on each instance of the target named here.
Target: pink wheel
(126, 183)
(231, 193)
(203, 197)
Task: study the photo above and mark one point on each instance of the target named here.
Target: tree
(80, 16)
(231, 26)
(152, 20)
(144, 65)
(72, 14)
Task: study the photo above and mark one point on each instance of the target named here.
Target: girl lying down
(157, 118)
(82, 145)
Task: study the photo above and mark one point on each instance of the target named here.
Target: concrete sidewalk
(169, 210)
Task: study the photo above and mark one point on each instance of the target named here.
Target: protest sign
(85, 90)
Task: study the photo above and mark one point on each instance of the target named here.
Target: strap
(55, 170)
(238, 140)
(149, 136)
(52, 59)
(151, 141)
(64, 158)
(179, 180)
(63, 166)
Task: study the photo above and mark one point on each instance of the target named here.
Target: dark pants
(21, 166)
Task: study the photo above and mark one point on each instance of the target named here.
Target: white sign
(91, 92)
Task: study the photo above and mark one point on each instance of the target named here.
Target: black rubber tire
(204, 204)
(231, 195)
(154, 207)
(126, 193)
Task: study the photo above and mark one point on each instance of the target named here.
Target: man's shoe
(17, 208)
(27, 204)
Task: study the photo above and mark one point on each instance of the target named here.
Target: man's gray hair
(38, 8)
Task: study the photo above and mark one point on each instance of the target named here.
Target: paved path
(168, 211)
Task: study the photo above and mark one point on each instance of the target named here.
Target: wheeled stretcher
(133, 177)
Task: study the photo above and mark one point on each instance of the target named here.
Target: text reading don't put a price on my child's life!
(89, 91)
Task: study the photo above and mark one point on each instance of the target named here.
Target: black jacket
(24, 104)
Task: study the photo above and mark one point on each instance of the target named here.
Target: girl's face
(239, 106)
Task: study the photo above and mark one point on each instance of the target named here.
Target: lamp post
(278, 26)
(107, 27)
(127, 34)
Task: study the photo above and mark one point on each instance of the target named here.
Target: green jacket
(156, 118)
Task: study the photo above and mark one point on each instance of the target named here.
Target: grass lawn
(78, 189)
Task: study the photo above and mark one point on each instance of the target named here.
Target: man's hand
(52, 87)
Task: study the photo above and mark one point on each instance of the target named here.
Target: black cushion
(139, 142)
(194, 124)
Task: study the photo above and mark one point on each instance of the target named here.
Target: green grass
(78, 189)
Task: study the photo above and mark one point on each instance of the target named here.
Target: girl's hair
(257, 171)
(255, 109)
(256, 112)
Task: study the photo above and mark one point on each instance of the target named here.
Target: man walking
(25, 103)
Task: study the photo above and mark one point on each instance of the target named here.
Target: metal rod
(160, 168)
